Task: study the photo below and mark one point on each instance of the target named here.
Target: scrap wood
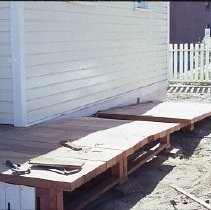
(56, 162)
(70, 145)
(62, 171)
(191, 196)
(174, 152)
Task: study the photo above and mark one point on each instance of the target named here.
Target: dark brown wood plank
(148, 156)
(175, 112)
(50, 198)
(126, 116)
(8, 128)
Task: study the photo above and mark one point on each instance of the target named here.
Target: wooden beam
(119, 170)
(50, 199)
(166, 140)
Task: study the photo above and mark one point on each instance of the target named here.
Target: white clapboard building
(73, 58)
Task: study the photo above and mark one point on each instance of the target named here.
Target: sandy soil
(148, 188)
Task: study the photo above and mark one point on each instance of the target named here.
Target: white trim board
(168, 38)
(18, 71)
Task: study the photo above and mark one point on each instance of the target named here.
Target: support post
(50, 199)
(166, 140)
(120, 170)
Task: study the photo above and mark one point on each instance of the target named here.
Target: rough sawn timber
(186, 114)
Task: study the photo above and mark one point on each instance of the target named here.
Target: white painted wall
(77, 58)
(6, 98)
(78, 55)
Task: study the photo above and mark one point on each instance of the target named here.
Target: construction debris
(174, 152)
(191, 196)
(70, 145)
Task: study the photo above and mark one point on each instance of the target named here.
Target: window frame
(137, 5)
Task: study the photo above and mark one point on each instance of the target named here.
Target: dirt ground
(149, 187)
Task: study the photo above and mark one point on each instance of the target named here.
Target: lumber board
(8, 128)
(50, 199)
(44, 178)
(93, 194)
(184, 113)
(191, 196)
(89, 122)
(106, 143)
(146, 157)
(129, 133)
(109, 156)
(55, 161)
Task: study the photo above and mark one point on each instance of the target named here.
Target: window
(142, 4)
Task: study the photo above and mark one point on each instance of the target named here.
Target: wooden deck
(186, 114)
(109, 147)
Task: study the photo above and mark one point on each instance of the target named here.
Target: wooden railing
(189, 62)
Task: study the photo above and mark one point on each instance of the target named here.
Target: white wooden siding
(6, 99)
(77, 55)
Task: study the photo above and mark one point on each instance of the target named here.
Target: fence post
(181, 61)
(206, 62)
(185, 62)
(196, 61)
(175, 62)
(191, 61)
(170, 62)
(201, 62)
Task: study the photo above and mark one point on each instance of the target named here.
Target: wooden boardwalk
(111, 149)
(186, 114)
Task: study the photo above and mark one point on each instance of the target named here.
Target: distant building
(188, 21)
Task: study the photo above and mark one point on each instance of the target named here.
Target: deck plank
(105, 142)
(171, 112)
(130, 135)
(44, 178)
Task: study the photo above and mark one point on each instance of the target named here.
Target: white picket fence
(189, 63)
